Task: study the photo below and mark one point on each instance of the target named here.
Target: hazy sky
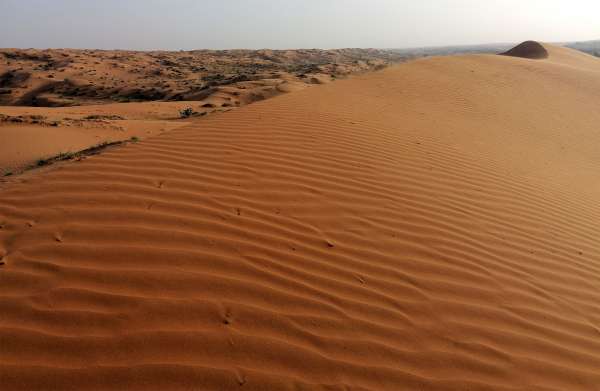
(190, 24)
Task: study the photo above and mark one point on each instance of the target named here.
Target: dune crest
(529, 49)
(433, 226)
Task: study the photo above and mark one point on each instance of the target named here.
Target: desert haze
(424, 225)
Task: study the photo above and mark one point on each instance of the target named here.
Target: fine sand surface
(28, 134)
(433, 226)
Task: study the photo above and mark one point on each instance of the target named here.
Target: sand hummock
(433, 226)
(529, 49)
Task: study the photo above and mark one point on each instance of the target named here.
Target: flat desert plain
(430, 226)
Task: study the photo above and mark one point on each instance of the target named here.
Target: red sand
(430, 227)
(46, 132)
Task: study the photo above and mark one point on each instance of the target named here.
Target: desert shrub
(103, 117)
(186, 113)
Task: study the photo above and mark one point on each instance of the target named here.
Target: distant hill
(590, 47)
(453, 50)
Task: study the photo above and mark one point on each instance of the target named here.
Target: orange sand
(23, 144)
(430, 227)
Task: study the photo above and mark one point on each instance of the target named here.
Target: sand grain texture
(433, 226)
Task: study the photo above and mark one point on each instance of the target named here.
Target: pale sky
(279, 24)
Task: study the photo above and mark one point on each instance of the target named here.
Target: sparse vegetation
(65, 155)
(102, 145)
(43, 162)
(29, 119)
(186, 113)
(165, 76)
(60, 157)
(98, 117)
(134, 139)
(73, 155)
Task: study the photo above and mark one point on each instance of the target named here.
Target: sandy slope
(433, 226)
(28, 134)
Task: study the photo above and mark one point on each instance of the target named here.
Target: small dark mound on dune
(529, 49)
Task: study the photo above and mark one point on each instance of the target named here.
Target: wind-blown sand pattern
(433, 226)
(28, 134)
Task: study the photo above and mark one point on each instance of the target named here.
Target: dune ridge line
(432, 226)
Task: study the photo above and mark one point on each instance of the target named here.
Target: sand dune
(67, 77)
(433, 226)
(31, 134)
